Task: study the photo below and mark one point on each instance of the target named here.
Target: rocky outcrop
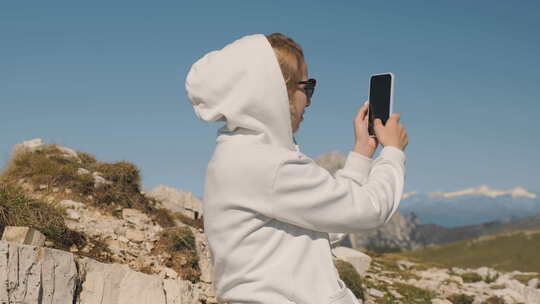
(38, 275)
(30, 274)
(117, 284)
(177, 200)
(397, 233)
(359, 260)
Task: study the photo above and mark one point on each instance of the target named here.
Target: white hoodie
(268, 208)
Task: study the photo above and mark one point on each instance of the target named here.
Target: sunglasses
(310, 86)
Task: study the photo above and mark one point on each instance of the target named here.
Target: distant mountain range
(471, 206)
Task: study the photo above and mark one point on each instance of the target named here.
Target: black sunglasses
(310, 86)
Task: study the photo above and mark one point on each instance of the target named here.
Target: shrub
(471, 277)
(16, 209)
(491, 278)
(179, 247)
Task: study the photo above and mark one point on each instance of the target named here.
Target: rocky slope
(129, 250)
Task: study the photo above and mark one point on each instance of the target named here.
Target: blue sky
(107, 77)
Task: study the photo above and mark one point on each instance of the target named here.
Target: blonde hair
(291, 60)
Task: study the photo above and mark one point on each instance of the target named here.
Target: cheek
(300, 101)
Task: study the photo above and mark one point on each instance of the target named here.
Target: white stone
(99, 180)
(135, 235)
(440, 301)
(29, 146)
(72, 214)
(135, 217)
(375, 292)
(117, 284)
(68, 152)
(405, 265)
(358, 259)
(23, 235)
(82, 171)
(71, 204)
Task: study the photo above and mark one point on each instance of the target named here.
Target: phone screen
(379, 99)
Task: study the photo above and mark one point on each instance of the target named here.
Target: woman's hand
(364, 144)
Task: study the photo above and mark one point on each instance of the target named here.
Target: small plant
(460, 299)
(413, 294)
(525, 278)
(181, 239)
(350, 276)
(471, 277)
(491, 278)
(179, 247)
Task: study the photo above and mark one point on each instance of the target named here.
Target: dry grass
(50, 167)
(178, 247)
(16, 209)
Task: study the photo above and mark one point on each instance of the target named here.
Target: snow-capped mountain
(471, 206)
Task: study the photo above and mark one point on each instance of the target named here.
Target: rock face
(38, 275)
(177, 200)
(359, 260)
(397, 233)
(117, 284)
(30, 274)
(23, 235)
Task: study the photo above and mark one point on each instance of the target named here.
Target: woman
(268, 208)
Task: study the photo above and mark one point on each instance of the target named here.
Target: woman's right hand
(392, 133)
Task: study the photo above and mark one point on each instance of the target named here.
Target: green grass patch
(413, 294)
(460, 299)
(504, 252)
(471, 277)
(350, 276)
(525, 278)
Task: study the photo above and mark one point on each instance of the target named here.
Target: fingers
(364, 111)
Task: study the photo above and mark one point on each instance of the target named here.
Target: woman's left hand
(364, 144)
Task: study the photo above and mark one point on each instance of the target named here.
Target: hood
(242, 84)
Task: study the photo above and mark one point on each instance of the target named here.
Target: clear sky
(107, 77)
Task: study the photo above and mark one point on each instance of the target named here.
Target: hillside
(517, 250)
(106, 241)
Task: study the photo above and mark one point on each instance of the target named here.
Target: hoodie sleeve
(364, 194)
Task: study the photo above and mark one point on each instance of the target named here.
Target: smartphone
(381, 99)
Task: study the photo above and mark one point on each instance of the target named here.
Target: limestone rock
(23, 235)
(177, 200)
(358, 259)
(29, 146)
(117, 284)
(30, 274)
(135, 217)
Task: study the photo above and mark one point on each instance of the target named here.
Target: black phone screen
(379, 99)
